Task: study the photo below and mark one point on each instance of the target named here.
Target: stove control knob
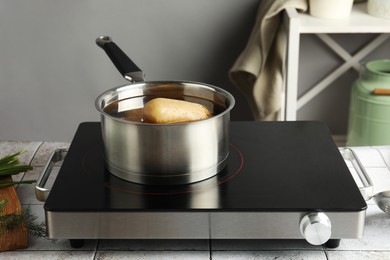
(316, 228)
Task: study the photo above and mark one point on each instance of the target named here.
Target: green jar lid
(379, 67)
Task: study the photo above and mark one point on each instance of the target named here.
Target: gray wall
(51, 71)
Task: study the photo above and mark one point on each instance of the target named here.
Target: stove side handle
(42, 192)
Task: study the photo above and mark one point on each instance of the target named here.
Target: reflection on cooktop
(93, 165)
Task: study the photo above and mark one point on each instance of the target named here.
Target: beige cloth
(259, 70)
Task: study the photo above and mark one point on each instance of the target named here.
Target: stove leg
(332, 243)
(76, 243)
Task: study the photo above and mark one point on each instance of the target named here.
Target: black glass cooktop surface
(272, 166)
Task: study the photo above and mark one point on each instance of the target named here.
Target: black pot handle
(122, 62)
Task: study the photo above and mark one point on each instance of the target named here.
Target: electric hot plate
(283, 180)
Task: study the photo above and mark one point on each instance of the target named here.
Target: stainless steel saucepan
(161, 154)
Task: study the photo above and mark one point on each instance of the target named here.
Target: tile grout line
(383, 158)
(210, 249)
(96, 249)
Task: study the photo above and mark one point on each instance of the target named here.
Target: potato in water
(168, 111)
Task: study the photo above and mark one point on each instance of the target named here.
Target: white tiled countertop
(375, 243)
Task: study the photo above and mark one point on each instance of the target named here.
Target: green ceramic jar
(369, 114)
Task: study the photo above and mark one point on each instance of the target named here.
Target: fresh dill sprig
(34, 228)
(9, 165)
(12, 221)
(9, 221)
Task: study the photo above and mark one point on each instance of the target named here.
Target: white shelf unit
(302, 23)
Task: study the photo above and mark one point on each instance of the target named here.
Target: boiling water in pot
(132, 108)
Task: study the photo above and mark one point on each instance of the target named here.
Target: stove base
(333, 243)
(79, 243)
(200, 224)
(283, 180)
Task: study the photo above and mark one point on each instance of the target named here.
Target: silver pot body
(165, 154)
